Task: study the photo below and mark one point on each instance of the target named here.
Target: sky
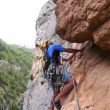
(17, 21)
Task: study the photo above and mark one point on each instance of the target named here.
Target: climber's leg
(55, 93)
(67, 88)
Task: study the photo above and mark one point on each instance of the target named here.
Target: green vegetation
(15, 66)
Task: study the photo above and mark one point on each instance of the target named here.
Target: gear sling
(53, 71)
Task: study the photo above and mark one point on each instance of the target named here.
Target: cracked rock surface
(81, 20)
(75, 21)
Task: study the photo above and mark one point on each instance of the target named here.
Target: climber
(53, 60)
(63, 89)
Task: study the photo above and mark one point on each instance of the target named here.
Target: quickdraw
(55, 76)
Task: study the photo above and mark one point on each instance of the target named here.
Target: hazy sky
(17, 21)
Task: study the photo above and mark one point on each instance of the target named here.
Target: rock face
(36, 95)
(39, 93)
(77, 21)
(81, 20)
(92, 73)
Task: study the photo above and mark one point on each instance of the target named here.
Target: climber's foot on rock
(57, 105)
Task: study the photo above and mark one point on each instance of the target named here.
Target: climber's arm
(68, 58)
(70, 50)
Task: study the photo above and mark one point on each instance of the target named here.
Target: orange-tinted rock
(92, 72)
(102, 36)
(70, 106)
(77, 20)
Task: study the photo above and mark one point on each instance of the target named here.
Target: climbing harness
(55, 76)
(77, 101)
(52, 68)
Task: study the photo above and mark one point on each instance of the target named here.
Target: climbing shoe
(57, 105)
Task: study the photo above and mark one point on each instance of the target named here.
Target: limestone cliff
(39, 93)
(85, 22)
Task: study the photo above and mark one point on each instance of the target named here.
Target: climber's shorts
(66, 76)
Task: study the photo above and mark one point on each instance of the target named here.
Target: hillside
(15, 66)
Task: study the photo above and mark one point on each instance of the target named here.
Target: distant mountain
(15, 66)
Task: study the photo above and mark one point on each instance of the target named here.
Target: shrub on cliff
(15, 65)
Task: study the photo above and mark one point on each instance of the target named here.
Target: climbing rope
(74, 83)
(77, 101)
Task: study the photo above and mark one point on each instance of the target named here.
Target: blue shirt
(54, 47)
